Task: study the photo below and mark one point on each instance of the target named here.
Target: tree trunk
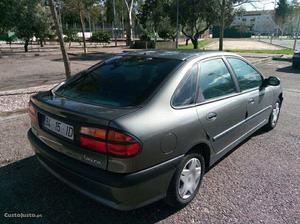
(129, 30)
(195, 43)
(41, 43)
(187, 41)
(26, 45)
(59, 33)
(222, 25)
(82, 30)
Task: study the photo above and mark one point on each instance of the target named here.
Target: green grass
(201, 44)
(281, 51)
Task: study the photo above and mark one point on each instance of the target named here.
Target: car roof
(177, 54)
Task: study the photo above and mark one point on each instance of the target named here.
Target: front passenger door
(258, 99)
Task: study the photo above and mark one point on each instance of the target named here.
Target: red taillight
(32, 113)
(123, 150)
(93, 144)
(109, 141)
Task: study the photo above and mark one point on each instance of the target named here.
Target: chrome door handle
(211, 116)
(251, 101)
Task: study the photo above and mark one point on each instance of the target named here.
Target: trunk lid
(76, 114)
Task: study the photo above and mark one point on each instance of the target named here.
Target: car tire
(274, 116)
(186, 181)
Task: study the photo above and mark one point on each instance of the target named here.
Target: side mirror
(271, 81)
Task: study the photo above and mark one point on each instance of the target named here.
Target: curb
(29, 90)
(262, 60)
(9, 113)
(282, 59)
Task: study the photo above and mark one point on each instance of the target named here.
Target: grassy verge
(201, 44)
(281, 51)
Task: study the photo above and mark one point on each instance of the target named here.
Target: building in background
(257, 22)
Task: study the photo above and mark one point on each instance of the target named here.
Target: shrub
(71, 36)
(100, 36)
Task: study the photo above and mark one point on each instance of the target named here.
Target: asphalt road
(22, 72)
(258, 182)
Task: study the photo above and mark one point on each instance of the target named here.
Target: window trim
(201, 100)
(238, 93)
(242, 59)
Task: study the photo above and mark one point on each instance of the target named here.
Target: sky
(262, 5)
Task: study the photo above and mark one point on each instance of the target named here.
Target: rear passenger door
(258, 100)
(221, 109)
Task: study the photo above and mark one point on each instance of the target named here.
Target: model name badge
(91, 160)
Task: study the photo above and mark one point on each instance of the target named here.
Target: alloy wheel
(189, 178)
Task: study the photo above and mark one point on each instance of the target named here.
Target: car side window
(186, 92)
(215, 79)
(247, 76)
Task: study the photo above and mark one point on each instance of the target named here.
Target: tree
(59, 33)
(195, 17)
(166, 29)
(71, 36)
(224, 11)
(7, 12)
(129, 7)
(294, 15)
(155, 19)
(281, 13)
(80, 7)
(25, 20)
(43, 23)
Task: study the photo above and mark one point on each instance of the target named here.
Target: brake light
(93, 144)
(32, 112)
(123, 150)
(109, 141)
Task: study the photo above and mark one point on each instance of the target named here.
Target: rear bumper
(119, 191)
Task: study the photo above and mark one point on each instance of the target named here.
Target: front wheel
(186, 180)
(273, 119)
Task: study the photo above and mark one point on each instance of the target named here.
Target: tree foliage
(43, 23)
(151, 15)
(8, 15)
(195, 17)
(80, 7)
(27, 18)
(281, 11)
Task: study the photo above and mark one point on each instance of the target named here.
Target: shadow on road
(26, 187)
(288, 69)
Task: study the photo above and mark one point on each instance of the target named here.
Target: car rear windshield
(121, 81)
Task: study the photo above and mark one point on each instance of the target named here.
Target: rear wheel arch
(204, 150)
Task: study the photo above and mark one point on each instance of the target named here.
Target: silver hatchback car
(144, 126)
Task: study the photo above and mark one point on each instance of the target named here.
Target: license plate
(59, 127)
